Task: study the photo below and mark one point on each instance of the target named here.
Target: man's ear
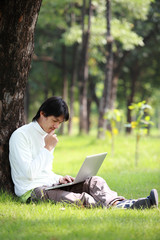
(42, 114)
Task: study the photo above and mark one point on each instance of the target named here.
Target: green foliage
(142, 112)
(141, 123)
(137, 8)
(72, 35)
(113, 117)
(123, 32)
(59, 23)
(53, 13)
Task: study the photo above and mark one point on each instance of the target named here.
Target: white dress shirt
(31, 163)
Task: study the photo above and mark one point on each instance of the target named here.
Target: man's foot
(151, 200)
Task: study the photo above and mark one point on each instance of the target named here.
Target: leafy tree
(140, 76)
(83, 68)
(105, 100)
(54, 20)
(127, 17)
(141, 122)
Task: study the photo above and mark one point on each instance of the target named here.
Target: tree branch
(46, 59)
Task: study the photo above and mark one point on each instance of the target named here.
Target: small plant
(141, 123)
(113, 117)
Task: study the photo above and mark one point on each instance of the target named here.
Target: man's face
(49, 123)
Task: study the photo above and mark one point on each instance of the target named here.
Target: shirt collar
(38, 127)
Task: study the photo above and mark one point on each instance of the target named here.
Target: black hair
(53, 106)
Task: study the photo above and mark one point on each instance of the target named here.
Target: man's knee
(93, 181)
(98, 179)
(39, 194)
(87, 200)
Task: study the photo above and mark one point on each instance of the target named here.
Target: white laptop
(88, 169)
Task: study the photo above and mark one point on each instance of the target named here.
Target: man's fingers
(50, 140)
(66, 179)
(72, 178)
(52, 132)
(69, 178)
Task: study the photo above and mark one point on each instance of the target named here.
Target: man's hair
(54, 106)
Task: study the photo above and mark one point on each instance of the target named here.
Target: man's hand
(66, 179)
(50, 140)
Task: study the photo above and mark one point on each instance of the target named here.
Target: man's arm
(22, 160)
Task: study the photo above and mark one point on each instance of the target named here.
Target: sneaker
(151, 200)
(154, 197)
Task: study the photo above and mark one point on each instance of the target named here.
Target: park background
(93, 54)
(71, 53)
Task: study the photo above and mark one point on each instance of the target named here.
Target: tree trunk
(134, 74)
(72, 87)
(113, 94)
(17, 24)
(118, 64)
(92, 92)
(46, 81)
(104, 103)
(89, 103)
(91, 98)
(27, 102)
(65, 82)
(83, 70)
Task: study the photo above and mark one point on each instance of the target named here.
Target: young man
(31, 159)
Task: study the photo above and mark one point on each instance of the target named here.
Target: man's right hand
(66, 179)
(50, 140)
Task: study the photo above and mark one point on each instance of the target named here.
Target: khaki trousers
(92, 192)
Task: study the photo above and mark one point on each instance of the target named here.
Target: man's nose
(56, 125)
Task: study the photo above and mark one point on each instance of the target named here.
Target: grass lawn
(48, 221)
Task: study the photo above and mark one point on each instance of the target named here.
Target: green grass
(50, 222)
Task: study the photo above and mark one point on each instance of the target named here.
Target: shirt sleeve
(21, 159)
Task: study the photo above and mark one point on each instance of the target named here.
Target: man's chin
(50, 130)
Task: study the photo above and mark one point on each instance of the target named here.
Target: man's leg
(64, 194)
(100, 191)
(141, 203)
(93, 192)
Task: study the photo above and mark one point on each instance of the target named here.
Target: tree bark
(65, 82)
(72, 87)
(17, 24)
(134, 75)
(27, 102)
(117, 69)
(46, 87)
(47, 59)
(83, 70)
(104, 103)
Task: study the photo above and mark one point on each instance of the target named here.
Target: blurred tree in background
(71, 57)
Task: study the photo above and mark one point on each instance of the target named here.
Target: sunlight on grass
(48, 221)
(45, 221)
